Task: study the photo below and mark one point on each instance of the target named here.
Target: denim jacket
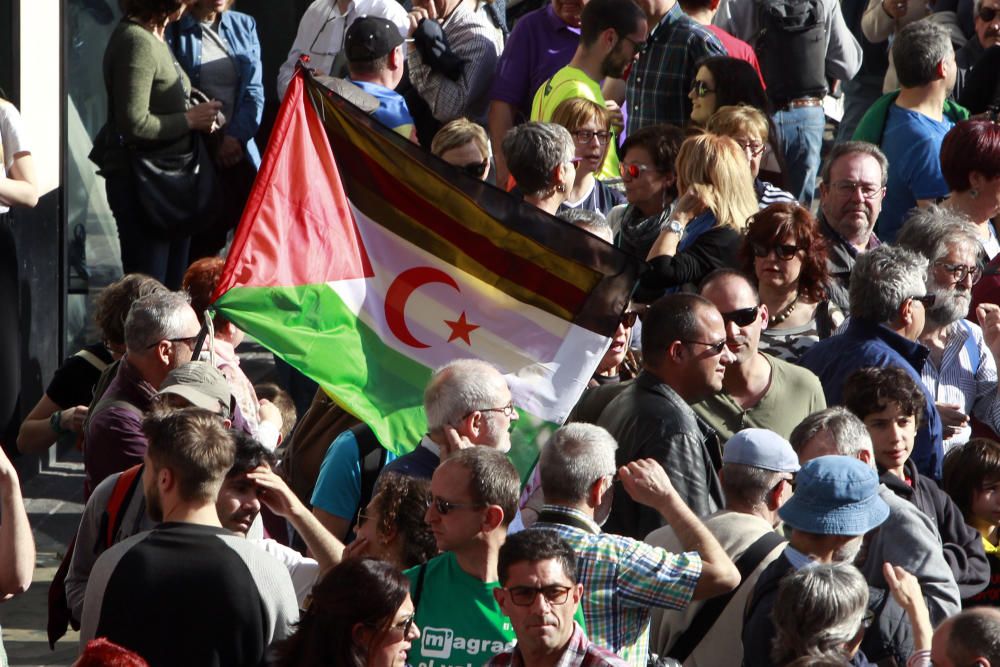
(240, 32)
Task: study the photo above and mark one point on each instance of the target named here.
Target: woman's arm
(20, 187)
(17, 546)
(37, 435)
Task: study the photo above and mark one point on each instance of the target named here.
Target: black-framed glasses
(524, 596)
(752, 149)
(443, 506)
(987, 14)
(715, 348)
(959, 272)
(507, 410)
(742, 317)
(187, 340)
(584, 137)
(628, 319)
(927, 300)
(476, 169)
(633, 169)
(868, 190)
(701, 89)
(640, 47)
(405, 625)
(783, 251)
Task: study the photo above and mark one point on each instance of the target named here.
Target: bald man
(969, 639)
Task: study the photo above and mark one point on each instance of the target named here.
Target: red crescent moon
(399, 293)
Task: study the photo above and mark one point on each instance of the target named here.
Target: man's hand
(895, 8)
(358, 548)
(615, 112)
(422, 9)
(72, 419)
(453, 441)
(230, 152)
(953, 419)
(276, 494)
(646, 481)
(988, 315)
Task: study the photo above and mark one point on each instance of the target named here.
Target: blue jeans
(800, 132)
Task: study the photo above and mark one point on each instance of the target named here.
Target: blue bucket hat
(835, 495)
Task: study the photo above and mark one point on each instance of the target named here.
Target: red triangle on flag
(297, 228)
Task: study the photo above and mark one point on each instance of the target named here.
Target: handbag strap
(712, 609)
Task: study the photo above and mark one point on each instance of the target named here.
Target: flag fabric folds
(366, 263)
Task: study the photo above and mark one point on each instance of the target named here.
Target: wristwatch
(675, 227)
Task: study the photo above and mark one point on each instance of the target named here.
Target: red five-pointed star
(461, 329)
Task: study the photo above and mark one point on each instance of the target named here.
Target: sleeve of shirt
(304, 571)
(843, 53)
(512, 80)
(12, 134)
(447, 98)
(338, 487)
(66, 383)
(246, 118)
(650, 576)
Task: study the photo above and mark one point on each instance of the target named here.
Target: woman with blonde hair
(589, 123)
(706, 226)
(751, 130)
(463, 144)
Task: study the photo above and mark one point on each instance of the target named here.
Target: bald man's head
(969, 639)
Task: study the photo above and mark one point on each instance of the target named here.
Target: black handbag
(178, 193)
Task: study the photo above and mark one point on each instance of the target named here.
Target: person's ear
(977, 180)
(905, 312)
(165, 479)
(500, 595)
(764, 317)
(596, 492)
(675, 351)
(577, 593)
(609, 38)
(359, 634)
(865, 456)
(492, 518)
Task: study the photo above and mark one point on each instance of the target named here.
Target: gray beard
(951, 308)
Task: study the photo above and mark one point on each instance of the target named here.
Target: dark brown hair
(778, 221)
(967, 469)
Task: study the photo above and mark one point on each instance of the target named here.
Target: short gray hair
(818, 609)
(154, 318)
(916, 51)
(460, 387)
(882, 279)
(533, 151)
(590, 221)
(849, 434)
(576, 456)
(931, 231)
(850, 148)
(748, 485)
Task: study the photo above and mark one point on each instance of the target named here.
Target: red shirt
(737, 48)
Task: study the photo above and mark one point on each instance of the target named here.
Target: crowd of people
(795, 459)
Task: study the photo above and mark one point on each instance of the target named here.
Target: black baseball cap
(370, 38)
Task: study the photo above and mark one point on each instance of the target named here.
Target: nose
(727, 357)
(431, 515)
(414, 633)
(732, 329)
(540, 604)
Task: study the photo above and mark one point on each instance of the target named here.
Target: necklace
(778, 318)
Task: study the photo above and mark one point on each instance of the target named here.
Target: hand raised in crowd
(276, 495)
(422, 9)
(453, 441)
(230, 153)
(646, 481)
(905, 589)
(895, 8)
(204, 117)
(988, 315)
(615, 112)
(953, 419)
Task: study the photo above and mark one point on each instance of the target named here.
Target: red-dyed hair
(102, 653)
(200, 281)
(972, 145)
(779, 221)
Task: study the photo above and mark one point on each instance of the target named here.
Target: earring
(973, 193)
(561, 188)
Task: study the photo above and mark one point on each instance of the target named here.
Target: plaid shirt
(622, 579)
(657, 88)
(580, 652)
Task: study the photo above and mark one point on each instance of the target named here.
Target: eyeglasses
(362, 518)
(524, 596)
(987, 14)
(405, 625)
(634, 169)
(783, 251)
(715, 348)
(752, 149)
(742, 317)
(640, 47)
(868, 190)
(868, 619)
(189, 341)
(586, 136)
(701, 89)
(927, 300)
(443, 506)
(476, 169)
(959, 272)
(628, 319)
(507, 410)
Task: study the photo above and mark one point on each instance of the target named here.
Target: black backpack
(791, 47)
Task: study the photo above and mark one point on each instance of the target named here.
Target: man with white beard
(961, 370)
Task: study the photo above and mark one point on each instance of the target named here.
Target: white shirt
(12, 141)
(304, 571)
(323, 28)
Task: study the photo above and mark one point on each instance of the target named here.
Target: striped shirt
(768, 194)
(657, 88)
(622, 580)
(967, 376)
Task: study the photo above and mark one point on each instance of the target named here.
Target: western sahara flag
(366, 263)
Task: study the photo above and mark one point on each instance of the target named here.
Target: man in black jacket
(685, 357)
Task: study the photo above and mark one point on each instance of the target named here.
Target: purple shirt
(540, 45)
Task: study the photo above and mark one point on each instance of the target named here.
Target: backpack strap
(92, 359)
(125, 487)
(372, 458)
(419, 588)
(712, 609)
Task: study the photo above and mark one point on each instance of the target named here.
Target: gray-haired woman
(542, 159)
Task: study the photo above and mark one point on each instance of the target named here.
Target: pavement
(54, 500)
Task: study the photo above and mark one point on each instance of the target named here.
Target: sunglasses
(783, 251)
(443, 506)
(634, 169)
(987, 14)
(701, 89)
(927, 300)
(524, 596)
(742, 317)
(188, 340)
(628, 319)
(715, 348)
(476, 169)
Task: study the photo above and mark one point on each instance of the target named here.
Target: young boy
(890, 403)
(972, 479)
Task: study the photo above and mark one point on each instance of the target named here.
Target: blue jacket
(867, 344)
(240, 32)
